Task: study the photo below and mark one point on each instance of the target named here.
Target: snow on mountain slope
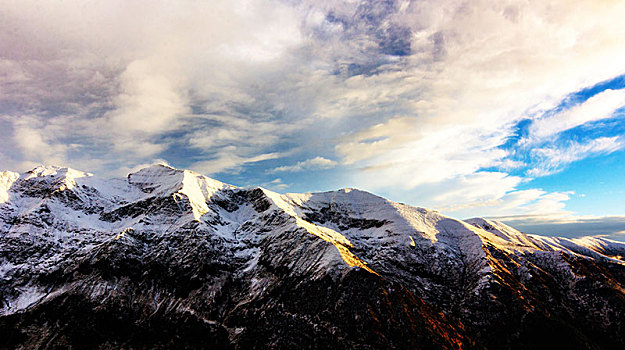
(593, 247)
(61, 205)
(64, 203)
(586, 246)
(180, 235)
(509, 235)
(364, 216)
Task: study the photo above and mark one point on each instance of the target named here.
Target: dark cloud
(438, 46)
(395, 41)
(370, 36)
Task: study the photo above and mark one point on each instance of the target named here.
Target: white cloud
(477, 190)
(552, 159)
(599, 106)
(496, 195)
(388, 152)
(149, 103)
(548, 203)
(309, 164)
(228, 160)
(276, 185)
(38, 140)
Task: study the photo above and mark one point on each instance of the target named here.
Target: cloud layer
(450, 104)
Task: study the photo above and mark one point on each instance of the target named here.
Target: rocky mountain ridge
(169, 258)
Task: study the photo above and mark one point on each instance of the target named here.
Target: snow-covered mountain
(169, 258)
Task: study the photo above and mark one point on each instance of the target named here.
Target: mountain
(167, 258)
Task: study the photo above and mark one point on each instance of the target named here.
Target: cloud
(550, 160)
(276, 185)
(600, 106)
(132, 73)
(215, 132)
(497, 196)
(149, 104)
(233, 141)
(477, 190)
(309, 164)
(34, 143)
(466, 104)
(229, 160)
(420, 96)
(387, 152)
(569, 226)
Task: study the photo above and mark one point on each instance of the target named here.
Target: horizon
(513, 111)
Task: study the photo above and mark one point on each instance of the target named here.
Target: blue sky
(512, 110)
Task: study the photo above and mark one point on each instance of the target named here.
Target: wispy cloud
(552, 159)
(308, 164)
(228, 159)
(600, 106)
(509, 202)
(569, 226)
(276, 185)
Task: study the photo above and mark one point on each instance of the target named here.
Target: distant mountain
(167, 258)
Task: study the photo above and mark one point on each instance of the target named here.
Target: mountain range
(168, 258)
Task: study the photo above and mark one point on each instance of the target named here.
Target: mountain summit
(168, 258)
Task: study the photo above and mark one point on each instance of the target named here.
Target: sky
(511, 109)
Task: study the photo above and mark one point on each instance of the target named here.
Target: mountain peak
(195, 254)
(56, 172)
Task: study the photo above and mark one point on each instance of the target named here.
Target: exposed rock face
(167, 258)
